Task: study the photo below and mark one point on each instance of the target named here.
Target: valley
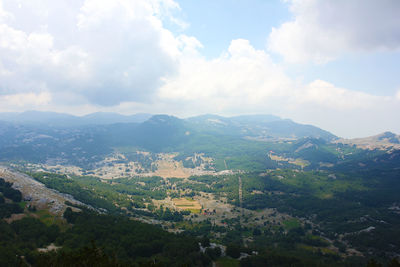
(297, 193)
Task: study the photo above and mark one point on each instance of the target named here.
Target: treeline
(20, 240)
(112, 195)
(70, 186)
(15, 196)
(9, 192)
(96, 239)
(129, 242)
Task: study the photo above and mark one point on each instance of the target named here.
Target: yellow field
(299, 162)
(168, 169)
(187, 204)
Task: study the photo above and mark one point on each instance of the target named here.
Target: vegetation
(6, 191)
(301, 201)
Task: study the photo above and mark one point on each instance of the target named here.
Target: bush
(213, 253)
(233, 251)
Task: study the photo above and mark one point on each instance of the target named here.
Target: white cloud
(398, 95)
(240, 77)
(245, 80)
(4, 15)
(30, 100)
(323, 30)
(104, 51)
(327, 95)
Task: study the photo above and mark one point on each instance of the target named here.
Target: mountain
(243, 142)
(260, 127)
(110, 118)
(39, 117)
(381, 141)
(54, 119)
(156, 134)
(257, 118)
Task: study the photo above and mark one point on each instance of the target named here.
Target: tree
(205, 242)
(233, 251)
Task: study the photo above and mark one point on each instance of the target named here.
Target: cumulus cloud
(30, 100)
(328, 95)
(104, 51)
(246, 80)
(322, 30)
(241, 76)
(398, 95)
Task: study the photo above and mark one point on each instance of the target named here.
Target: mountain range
(249, 142)
(261, 126)
(67, 120)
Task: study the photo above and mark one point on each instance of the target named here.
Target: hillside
(37, 194)
(381, 141)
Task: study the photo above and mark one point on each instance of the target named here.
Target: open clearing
(117, 166)
(299, 162)
(187, 204)
(171, 168)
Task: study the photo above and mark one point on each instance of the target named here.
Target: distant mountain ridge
(243, 142)
(381, 141)
(258, 126)
(261, 127)
(66, 120)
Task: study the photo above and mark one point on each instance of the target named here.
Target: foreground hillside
(85, 238)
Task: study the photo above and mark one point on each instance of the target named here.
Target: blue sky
(332, 63)
(217, 23)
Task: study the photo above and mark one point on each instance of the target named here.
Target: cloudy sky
(332, 63)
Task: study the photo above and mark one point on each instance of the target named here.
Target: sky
(334, 64)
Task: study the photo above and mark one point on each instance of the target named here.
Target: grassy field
(187, 204)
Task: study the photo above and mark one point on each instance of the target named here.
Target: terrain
(259, 189)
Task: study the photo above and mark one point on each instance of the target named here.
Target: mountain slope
(262, 127)
(381, 141)
(241, 143)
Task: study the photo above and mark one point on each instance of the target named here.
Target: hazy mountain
(235, 139)
(156, 134)
(263, 127)
(257, 118)
(268, 127)
(39, 117)
(54, 119)
(110, 118)
(380, 141)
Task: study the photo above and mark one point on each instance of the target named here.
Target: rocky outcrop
(37, 193)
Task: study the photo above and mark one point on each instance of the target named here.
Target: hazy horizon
(191, 116)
